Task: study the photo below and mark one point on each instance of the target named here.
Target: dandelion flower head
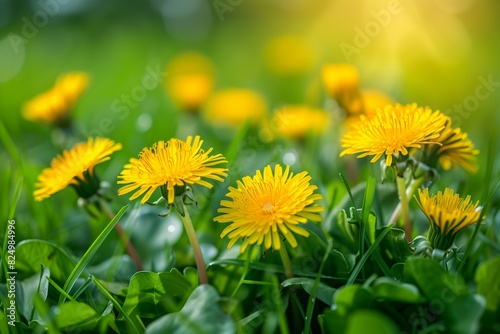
(267, 206)
(169, 164)
(75, 167)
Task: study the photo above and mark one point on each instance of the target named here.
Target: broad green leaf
(370, 321)
(488, 283)
(32, 254)
(388, 289)
(153, 294)
(325, 293)
(462, 314)
(116, 268)
(432, 279)
(75, 315)
(26, 291)
(395, 247)
(46, 315)
(351, 297)
(201, 314)
(332, 322)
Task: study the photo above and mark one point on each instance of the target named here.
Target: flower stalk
(287, 264)
(405, 206)
(193, 239)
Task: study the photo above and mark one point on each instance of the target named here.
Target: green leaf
(89, 254)
(46, 314)
(463, 314)
(395, 246)
(488, 282)
(129, 322)
(325, 293)
(75, 315)
(351, 297)
(388, 289)
(370, 321)
(201, 314)
(26, 291)
(4, 326)
(332, 322)
(32, 254)
(432, 279)
(153, 294)
(347, 232)
(373, 248)
(313, 249)
(269, 267)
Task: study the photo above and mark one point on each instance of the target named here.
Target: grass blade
(10, 146)
(115, 303)
(89, 254)
(369, 251)
(314, 290)
(13, 206)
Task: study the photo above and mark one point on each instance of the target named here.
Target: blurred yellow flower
(374, 100)
(267, 207)
(457, 149)
(341, 82)
(76, 168)
(233, 107)
(447, 214)
(54, 105)
(189, 80)
(288, 55)
(170, 166)
(297, 121)
(392, 131)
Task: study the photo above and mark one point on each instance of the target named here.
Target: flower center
(268, 208)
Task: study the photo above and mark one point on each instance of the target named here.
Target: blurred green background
(443, 54)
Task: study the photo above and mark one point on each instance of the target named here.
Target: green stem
(287, 264)
(415, 183)
(405, 206)
(198, 256)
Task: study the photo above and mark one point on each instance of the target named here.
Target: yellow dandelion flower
(75, 167)
(341, 82)
(168, 165)
(288, 55)
(447, 214)
(457, 149)
(54, 105)
(393, 130)
(189, 80)
(267, 205)
(233, 107)
(297, 121)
